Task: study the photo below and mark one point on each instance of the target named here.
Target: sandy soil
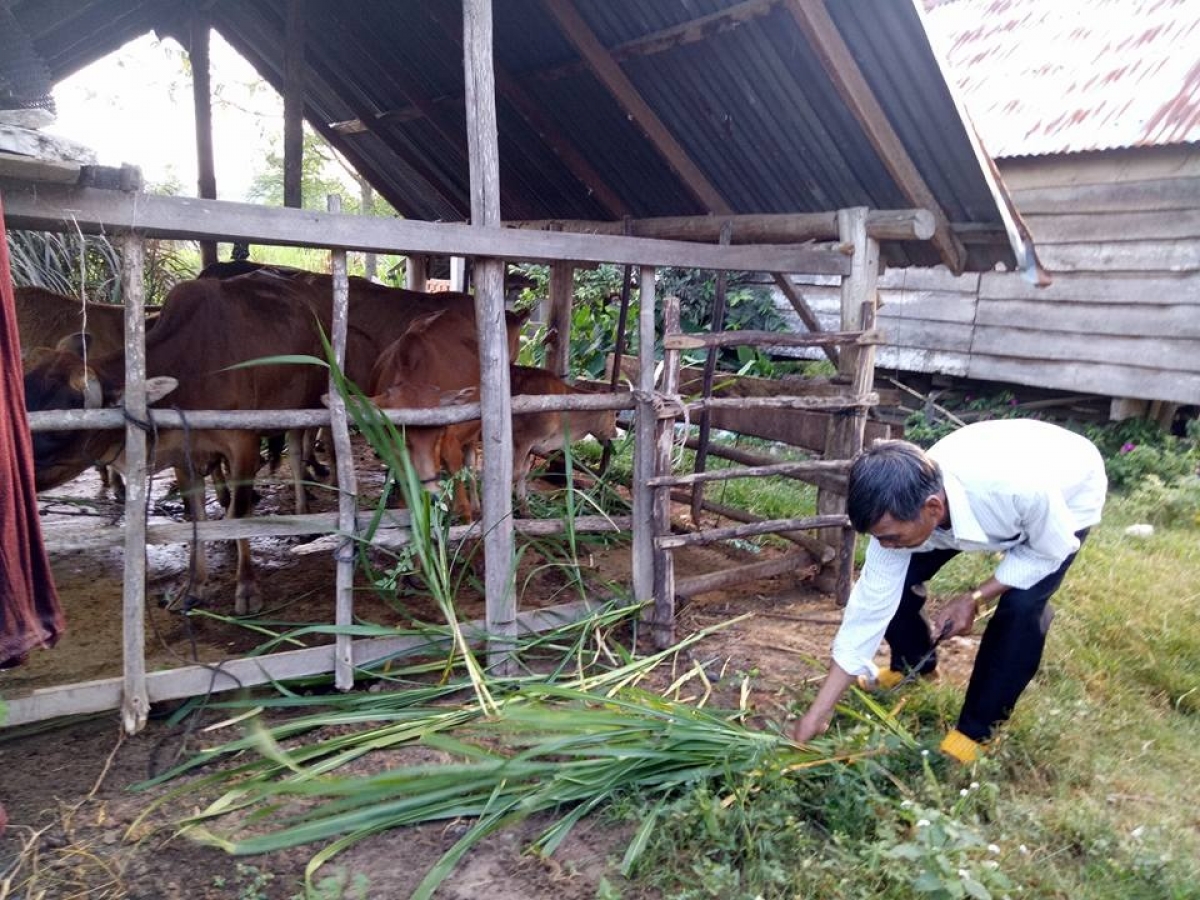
(66, 784)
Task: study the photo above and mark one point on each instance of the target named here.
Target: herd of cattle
(404, 348)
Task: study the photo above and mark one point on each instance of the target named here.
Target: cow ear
(78, 343)
(159, 387)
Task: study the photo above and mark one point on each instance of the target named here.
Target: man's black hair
(892, 477)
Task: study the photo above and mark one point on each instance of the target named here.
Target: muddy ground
(66, 784)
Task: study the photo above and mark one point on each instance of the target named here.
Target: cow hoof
(248, 601)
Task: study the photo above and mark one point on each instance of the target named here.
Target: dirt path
(66, 786)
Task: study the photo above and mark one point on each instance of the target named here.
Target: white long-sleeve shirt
(1020, 486)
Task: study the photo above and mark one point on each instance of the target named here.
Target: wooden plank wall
(1119, 234)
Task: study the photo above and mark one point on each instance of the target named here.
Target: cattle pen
(843, 243)
(44, 205)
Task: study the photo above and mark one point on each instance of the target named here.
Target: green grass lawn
(1090, 793)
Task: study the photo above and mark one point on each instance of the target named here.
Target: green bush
(1159, 503)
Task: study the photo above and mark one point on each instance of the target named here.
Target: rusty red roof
(1067, 76)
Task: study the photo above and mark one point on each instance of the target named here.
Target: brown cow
(545, 432)
(435, 363)
(45, 318)
(207, 326)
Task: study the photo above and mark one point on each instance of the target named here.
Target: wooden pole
(643, 448)
(343, 658)
(135, 701)
(562, 290)
(206, 182)
(416, 272)
(856, 365)
(663, 624)
(710, 371)
(495, 394)
(293, 105)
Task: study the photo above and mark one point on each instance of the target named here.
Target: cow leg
(247, 598)
(312, 437)
(296, 451)
(191, 489)
(472, 479)
(451, 452)
(522, 463)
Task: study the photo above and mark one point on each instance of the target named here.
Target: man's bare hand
(809, 726)
(956, 617)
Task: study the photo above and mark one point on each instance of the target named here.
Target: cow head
(58, 379)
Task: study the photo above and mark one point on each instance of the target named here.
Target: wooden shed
(766, 135)
(1092, 112)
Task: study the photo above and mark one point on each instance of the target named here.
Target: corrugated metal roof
(1068, 76)
(735, 82)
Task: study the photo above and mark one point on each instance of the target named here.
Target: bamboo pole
(343, 661)
(135, 702)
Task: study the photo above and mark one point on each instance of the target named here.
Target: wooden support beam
(752, 228)
(608, 71)
(293, 104)
(827, 44)
(844, 440)
(206, 181)
(495, 393)
(40, 207)
(789, 290)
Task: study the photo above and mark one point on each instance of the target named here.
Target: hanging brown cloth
(30, 614)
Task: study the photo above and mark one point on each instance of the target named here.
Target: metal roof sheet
(735, 82)
(1069, 76)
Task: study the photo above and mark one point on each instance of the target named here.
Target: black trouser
(1010, 650)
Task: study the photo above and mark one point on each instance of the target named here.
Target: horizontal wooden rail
(697, 340)
(847, 401)
(73, 536)
(393, 537)
(769, 526)
(820, 551)
(800, 564)
(41, 207)
(778, 228)
(198, 680)
(256, 420)
(808, 467)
